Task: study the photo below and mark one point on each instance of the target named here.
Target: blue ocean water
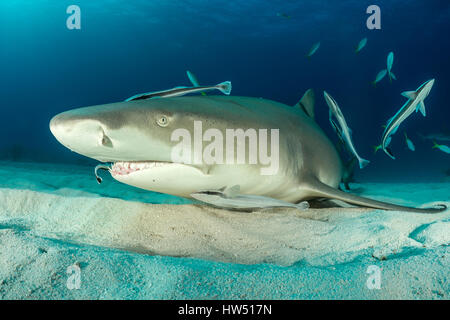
(126, 47)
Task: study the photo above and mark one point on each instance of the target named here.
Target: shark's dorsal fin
(307, 102)
(410, 94)
(232, 191)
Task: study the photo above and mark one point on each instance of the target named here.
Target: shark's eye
(163, 121)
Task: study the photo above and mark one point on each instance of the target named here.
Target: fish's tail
(376, 148)
(225, 87)
(304, 205)
(363, 163)
(436, 146)
(388, 151)
(374, 83)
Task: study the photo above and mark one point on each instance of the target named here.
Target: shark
(136, 138)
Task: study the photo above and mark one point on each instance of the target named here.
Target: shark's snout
(58, 126)
(83, 136)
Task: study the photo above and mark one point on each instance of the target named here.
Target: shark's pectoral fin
(320, 190)
(307, 102)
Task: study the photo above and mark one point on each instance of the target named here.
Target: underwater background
(54, 216)
(127, 47)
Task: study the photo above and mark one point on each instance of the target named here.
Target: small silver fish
(283, 15)
(390, 62)
(442, 147)
(409, 143)
(436, 136)
(313, 50)
(361, 45)
(379, 76)
(194, 81)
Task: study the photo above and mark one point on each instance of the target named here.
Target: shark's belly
(182, 180)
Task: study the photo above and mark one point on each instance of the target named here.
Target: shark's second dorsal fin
(307, 102)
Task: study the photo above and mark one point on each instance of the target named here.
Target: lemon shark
(135, 136)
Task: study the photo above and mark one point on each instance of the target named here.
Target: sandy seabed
(131, 244)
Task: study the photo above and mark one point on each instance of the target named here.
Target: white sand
(54, 216)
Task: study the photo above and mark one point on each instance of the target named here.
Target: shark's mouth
(125, 168)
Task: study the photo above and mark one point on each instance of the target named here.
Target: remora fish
(194, 81)
(361, 45)
(224, 87)
(344, 129)
(409, 143)
(415, 102)
(390, 62)
(135, 137)
(379, 77)
(284, 15)
(231, 199)
(313, 50)
(442, 147)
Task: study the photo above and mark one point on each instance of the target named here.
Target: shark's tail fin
(225, 87)
(321, 190)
